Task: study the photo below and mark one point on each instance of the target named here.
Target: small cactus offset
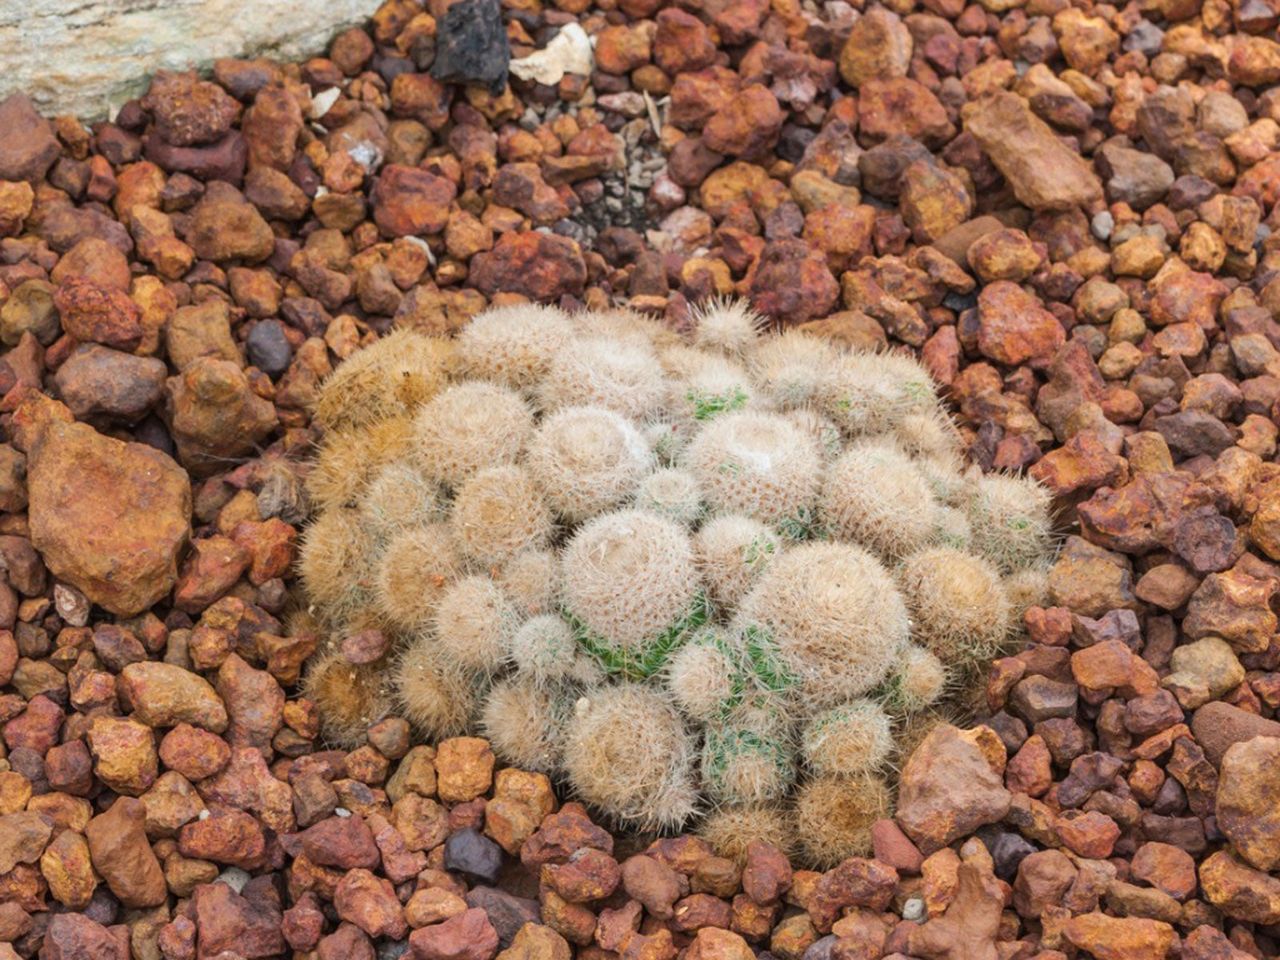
(716, 578)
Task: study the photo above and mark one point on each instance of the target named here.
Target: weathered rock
(1248, 783)
(29, 147)
(1044, 174)
(23, 837)
(951, 786)
(1121, 938)
(164, 695)
(108, 517)
(1238, 890)
(97, 381)
(121, 854)
(75, 936)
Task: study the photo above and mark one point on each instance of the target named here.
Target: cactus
(725, 576)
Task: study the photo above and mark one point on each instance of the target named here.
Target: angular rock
(121, 854)
(1248, 784)
(108, 517)
(164, 695)
(1044, 174)
(951, 785)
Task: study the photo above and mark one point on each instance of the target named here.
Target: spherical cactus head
(1026, 588)
(349, 459)
(531, 580)
(959, 607)
(525, 721)
(834, 817)
(349, 698)
(631, 631)
(704, 387)
(587, 460)
(468, 427)
(628, 753)
(412, 575)
(474, 624)
(333, 546)
(874, 495)
(618, 373)
(830, 616)
(791, 369)
(671, 493)
(513, 345)
(919, 680)
(543, 651)
(705, 676)
(756, 464)
(498, 513)
(398, 498)
(730, 829)
(729, 326)
(1010, 519)
(391, 377)
(435, 697)
(850, 739)
(930, 435)
(732, 550)
(742, 765)
(871, 393)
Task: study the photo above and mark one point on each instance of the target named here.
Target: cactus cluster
(716, 576)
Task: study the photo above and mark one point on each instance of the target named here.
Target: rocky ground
(1067, 211)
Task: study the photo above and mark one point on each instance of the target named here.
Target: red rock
(92, 312)
(254, 702)
(74, 936)
(682, 43)
(231, 837)
(745, 126)
(468, 936)
(123, 857)
(1014, 327)
(856, 882)
(902, 106)
(271, 128)
(792, 283)
(409, 202)
(539, 266)
(370, 903)
(247, 925)
(189, 111)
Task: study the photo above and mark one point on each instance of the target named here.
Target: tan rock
(68, 869)
(164, 695)
(1239, 891)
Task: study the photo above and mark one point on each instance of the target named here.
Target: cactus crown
(707, 576)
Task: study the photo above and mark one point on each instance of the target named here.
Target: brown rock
(1248, 783)
(215, 415)
(164, 695)
(857, 882)
(123, 857)
(792, 283)
(968, 926)
(952, 785)
(1044, 174)
(227, 228)
(29, 147)
(682, 43)
(124, 754)
(1121, 938)
(903, 106)
(108, 517)
(67, 867)
(537, 942)
(22, 838)
(96, 381)
(1217, 726)
(1165, 867)
(247, 925)
(747, 125)
(651, 883)
(879, 48)
(200, 330)
(1234, 606)
(1238, 890)
(712, 943)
